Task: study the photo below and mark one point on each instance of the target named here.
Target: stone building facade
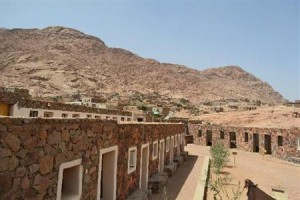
(18, 103)
(42, 158)
(281, 143)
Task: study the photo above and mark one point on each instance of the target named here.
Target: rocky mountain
(57, 61)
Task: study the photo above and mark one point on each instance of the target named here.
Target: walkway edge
(202, 182)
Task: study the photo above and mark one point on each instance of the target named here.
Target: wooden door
(4, 109)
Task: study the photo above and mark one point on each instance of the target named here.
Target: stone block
(31, 158)
(41, 183)
(33, 168)
(54, 138)
(31, 143)
(17, 181)
(41, 153)
(6, 182)
(43, 135)
(4, 152)
(46, 164)
(59, 159)
(13, 142)
(65, 136)
(14, 162)
(25, 184)
(22, 153)
(20, 172)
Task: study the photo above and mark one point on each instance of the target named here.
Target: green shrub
(220, 157)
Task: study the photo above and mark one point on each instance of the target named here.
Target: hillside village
(77, 122)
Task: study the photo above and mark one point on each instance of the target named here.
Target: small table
(156, 182)
(171, 168)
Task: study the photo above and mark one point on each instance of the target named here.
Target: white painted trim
(103, 151)
(202, 182)
(178, 145)
(159, 153)
(172, 149)
(181, 138)
(153, 150)
(132, 169)
(17, 111)
(175, 140)
(298, 143)
(168, 144)
(141, 162)
(64, 166)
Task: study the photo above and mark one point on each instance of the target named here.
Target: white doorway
(144, 164)
(161, 159)
(107, 174)
(178, 145)
(172, 150)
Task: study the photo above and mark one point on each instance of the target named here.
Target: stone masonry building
(82, 158)
(281, 143)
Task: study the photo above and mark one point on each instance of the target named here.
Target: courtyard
(266, 171)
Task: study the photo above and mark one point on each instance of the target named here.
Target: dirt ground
(265, 171)
(265, 117)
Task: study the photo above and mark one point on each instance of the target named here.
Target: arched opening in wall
(232, 140)
(268, 144)
(144, 166)
(107, 174)
(208, 138)
(255, 142)
(70, 180)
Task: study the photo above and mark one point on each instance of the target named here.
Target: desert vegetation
(219, 182)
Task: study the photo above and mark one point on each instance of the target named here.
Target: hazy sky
(261, 36)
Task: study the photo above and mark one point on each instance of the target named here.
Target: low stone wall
(32, 150)
(285, 151)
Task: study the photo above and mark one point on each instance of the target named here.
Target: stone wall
(286, 151)
(68, 107)
(31, 151)
(19, 96)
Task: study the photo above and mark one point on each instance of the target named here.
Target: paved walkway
(265, 172)
(183, 184)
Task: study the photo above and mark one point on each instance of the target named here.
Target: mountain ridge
(57, 61)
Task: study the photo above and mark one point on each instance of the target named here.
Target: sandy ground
(266, 172)
(265, 117)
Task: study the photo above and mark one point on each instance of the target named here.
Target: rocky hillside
(59, 61)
